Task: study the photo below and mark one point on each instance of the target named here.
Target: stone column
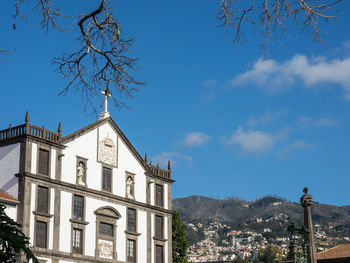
(306, 202)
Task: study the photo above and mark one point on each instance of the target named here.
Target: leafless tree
(275, 16)
(102, 59)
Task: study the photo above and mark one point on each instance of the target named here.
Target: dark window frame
(41, 206)
(104, 181)
(132, 220)
(41, 234)
(159, 227)
(102, 229)
(129, 257)
(43, 166)
(159, 195)
(77, 249)
(78, 212)
(159, 258)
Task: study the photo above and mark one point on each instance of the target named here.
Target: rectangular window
(78, 207)
(43, 162)
(41, 234)
(131, 220)
(159, 254)
(105, 229)
(159, 227)
(77, 242)
(159, 194)
(107, 179)
(131, 250)
(43, 199)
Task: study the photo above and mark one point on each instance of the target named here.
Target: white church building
(86, 197)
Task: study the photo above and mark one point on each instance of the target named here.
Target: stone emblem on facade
(105, 249)
(107, 151)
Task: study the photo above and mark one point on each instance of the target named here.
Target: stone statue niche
(130, 187)
(81, 173)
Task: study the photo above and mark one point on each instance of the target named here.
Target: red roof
(335, 252)
(7, 198)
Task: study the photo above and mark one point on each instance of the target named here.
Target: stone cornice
(68, 187)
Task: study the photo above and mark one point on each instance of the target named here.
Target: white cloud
(252, 141)
(194, 139)
(267, 117)
(164, 157)
(293, 147)
(209, 90)
(277, 77)
(318, 122)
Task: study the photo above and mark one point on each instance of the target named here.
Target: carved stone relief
(105, 249)
(107, 151)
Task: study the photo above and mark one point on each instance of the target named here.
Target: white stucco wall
(11, 211)
(165, 196)
(86, 146)
(9, 166)
(53, 164)
(34, 157)
(32, 208)
(65, 224)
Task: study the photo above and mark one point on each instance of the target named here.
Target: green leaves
(179, 240)
(12, 240)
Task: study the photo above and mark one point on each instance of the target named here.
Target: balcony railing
(28, 129)
(156, 170)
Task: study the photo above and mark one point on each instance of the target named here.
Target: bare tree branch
(102, 60)
(274, 15)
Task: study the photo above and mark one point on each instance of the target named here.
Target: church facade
(88, 196)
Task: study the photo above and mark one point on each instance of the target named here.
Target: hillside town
(223, 243)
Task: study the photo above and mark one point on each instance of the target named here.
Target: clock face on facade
(105, 249)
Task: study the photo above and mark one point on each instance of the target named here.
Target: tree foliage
(179, 240)
(12, 240)
(270, 255)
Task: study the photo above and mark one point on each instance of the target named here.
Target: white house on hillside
(88, 196)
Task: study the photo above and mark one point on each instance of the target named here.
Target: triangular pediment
(105, 140)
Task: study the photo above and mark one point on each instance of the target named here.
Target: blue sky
(233, 121)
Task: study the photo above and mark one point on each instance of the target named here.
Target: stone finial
(306, 199)
(169, 165)
(146, 158)
(105, 113)
(59, 130)
(26, 119)
(305, 190)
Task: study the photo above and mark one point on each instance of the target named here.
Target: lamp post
(298, 244)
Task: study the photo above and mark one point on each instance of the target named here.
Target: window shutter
(159, 254)
(131, 220)
(159, 195)
(106, 180)
(43, 162)
(159, 227)
(43, 199)
(41, 234)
